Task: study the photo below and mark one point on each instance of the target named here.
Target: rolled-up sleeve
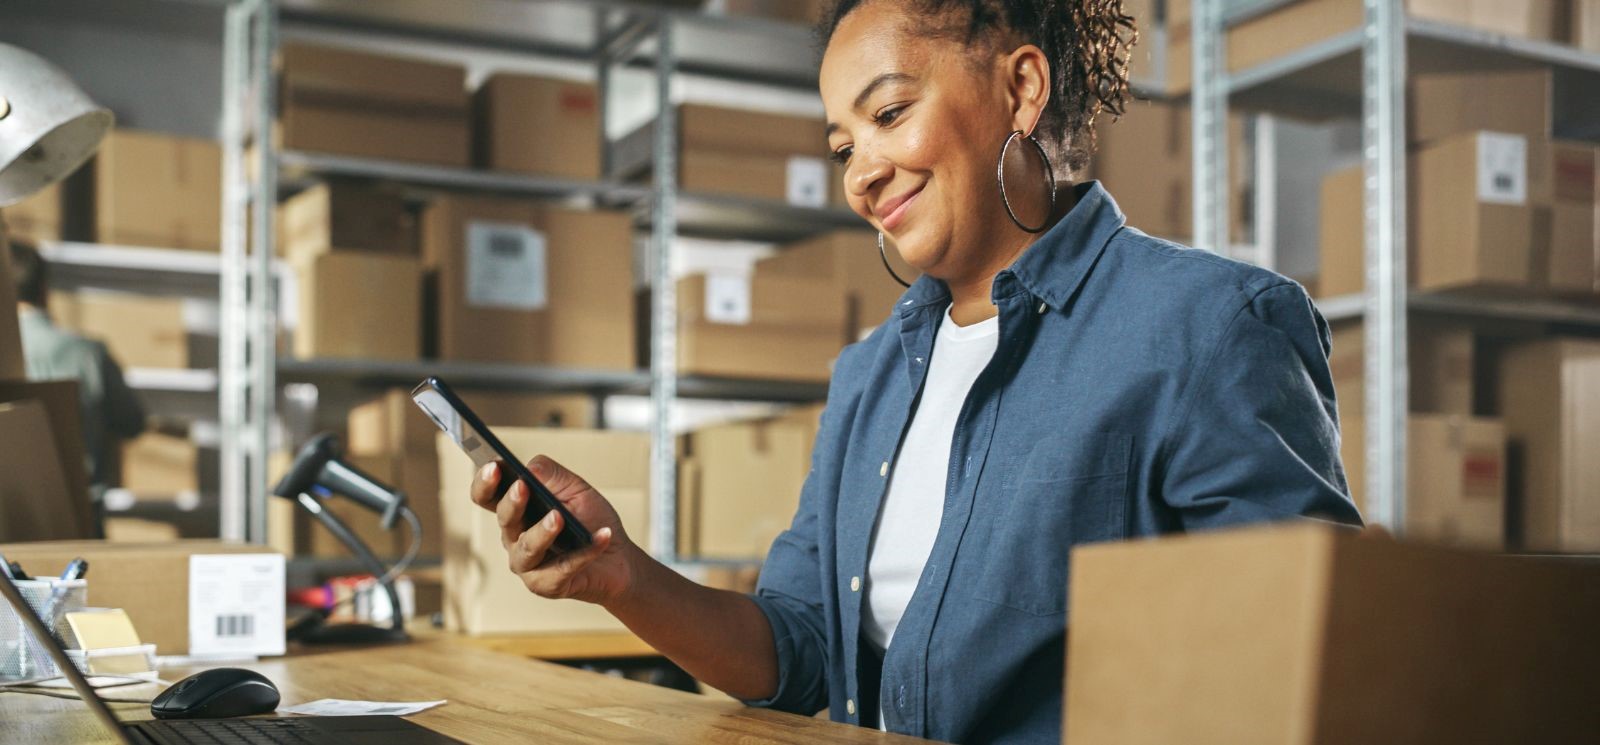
(1258, 435)
(791, 587)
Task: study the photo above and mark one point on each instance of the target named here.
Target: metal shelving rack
(624, 35)
(1364, 70)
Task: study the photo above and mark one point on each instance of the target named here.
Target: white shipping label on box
(807, 184)
(236, 604)
(505, 266)
(1502, 168)
(728, 299)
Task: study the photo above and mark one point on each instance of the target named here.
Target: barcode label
(229, 627)
(505, 266)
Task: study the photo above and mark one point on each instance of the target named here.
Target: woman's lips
(898, 214)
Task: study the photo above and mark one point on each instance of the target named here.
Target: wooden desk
(596, 645)
(493, 698)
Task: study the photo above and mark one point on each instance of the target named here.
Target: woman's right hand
(600, 573)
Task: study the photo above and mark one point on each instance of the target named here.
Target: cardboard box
(1440, 105)
(138, 330)
(1441, 357)
(1456, 480)
(340, 215)
(373, 106)
(1471, 220)
(1144, 159)
(39, 217)
(1561, 184)
(161, 466)
(1550, 400)
(359, 305)
(186, 597)
(1343, 249)
(739, 484)
(744, 153)
(33, 487)
(158, 190)
(388, 425)
(63, 408)
(1586, 24)
(538, 125)
(761, 326)
(532, 283)
(481, 596)
(507, 409)
(1309, 634)
(848, 259)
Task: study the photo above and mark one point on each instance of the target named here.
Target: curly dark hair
(1087, 42)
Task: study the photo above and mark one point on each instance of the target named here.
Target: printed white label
(505, 266)
(236, 604)
(808, 182)
(728, 298)
(1502, 168)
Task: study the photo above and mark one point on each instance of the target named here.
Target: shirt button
(855, 584)
(1043, 307)
(850, 706)
(883, 470)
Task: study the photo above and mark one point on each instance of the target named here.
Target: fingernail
(602, 534)
(550, 520)
(487, 472)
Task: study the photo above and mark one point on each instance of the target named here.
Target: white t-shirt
(908, 519)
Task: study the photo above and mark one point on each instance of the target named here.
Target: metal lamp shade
(48, 126)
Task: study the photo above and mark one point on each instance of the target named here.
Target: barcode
(232, 626)
(506, 244)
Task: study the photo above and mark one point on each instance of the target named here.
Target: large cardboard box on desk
(848, 259)
(762, 326)
(1309, 634)
(1472, 219)
(158, 190)
(1550, 399)
(532, 283)
(482, 596)
(538, 125)
(192, 597)
(360, 305)
(353, 103)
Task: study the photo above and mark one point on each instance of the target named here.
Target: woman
(1055, 378)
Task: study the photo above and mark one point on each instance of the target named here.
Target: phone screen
(464, 427)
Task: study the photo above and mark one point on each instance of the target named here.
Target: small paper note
(338, 707)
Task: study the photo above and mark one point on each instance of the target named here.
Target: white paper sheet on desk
(338, 707)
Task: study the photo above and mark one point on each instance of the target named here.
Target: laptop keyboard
(232, 731)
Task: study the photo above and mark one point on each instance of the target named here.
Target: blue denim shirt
(1139, 388)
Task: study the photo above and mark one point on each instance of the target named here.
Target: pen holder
(23, 657)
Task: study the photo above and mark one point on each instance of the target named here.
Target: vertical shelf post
(1383, 140)
(232, 377)
(262, 315)
(1208, 129)
(664, 296)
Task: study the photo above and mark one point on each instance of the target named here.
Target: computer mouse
(215, 694)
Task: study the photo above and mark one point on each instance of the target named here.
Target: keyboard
(232, 731)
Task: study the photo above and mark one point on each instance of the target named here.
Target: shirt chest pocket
(1067, 491)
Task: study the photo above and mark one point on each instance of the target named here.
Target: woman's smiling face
(916, 127)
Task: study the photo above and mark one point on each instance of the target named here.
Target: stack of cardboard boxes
(739, 483)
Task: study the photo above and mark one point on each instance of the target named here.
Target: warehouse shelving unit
(608, 35)
(1364, 70)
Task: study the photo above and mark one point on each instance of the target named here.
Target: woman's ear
(1027, 73)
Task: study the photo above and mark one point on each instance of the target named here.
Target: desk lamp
(318, 473)
(48, 126)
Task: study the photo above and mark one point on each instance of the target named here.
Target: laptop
(359, 730)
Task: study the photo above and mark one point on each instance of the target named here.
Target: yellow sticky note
(106, 629)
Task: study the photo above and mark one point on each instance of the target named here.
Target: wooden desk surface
(493, 698)
(596, 645)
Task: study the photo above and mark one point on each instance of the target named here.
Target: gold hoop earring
(1049, 172)
(885, 256)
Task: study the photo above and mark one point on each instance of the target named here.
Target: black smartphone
(447, 411)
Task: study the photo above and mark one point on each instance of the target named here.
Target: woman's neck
(971, 299)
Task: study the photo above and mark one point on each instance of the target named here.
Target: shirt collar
(1055, 265)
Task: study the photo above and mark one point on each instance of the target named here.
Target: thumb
(562, 483)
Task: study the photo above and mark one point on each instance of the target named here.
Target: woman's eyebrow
(866, 93)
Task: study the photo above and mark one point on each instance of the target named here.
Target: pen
(54, 608)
